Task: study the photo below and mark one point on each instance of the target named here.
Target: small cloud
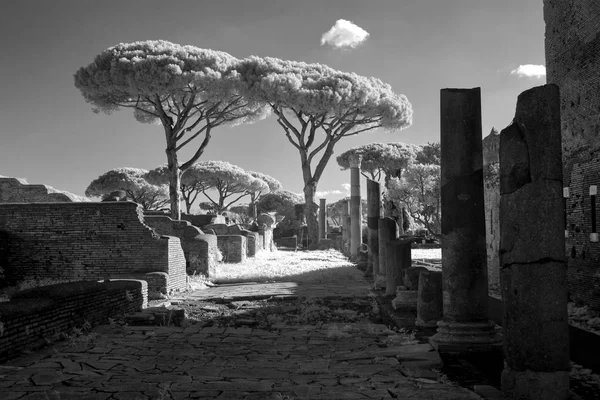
(529, 71)
(346, 187)
(344, 34)
(327, 193)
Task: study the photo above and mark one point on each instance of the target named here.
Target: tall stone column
(322, 219)
(465, 326)
(355, 211)
(345, 226)
(373, 213)
(532, 250)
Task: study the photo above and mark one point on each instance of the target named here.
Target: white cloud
(327, 193)
(529, 71)
(346, 187)
(344, 34)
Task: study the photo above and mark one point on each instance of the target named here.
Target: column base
(535, 385)
(465, 337)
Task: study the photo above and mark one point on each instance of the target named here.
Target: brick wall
(202, 220)
(81, 241)
(573, 63)
(200, 250)
(35, 317)
(15, 190)
(233, 248)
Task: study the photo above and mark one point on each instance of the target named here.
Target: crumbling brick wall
(16, 190)
(80, 241)
(573, 63)
(37, 316)
(200, 250)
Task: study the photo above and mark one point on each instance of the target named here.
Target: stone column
(532, 250)
(398, 259)
(322, 219)
(387, 231)
(355, 211)
(373, 214)
(465, 326)
(345, 227)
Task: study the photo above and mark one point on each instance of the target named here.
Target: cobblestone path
(282, 360)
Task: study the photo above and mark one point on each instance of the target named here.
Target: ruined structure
(573, 63)
(355, 211)
(200, 250)
(83, 241)
(16, 190)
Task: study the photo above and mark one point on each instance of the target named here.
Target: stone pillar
(345, 227)
(398, 259)
(532, 250)
(465, 326)
(491, 193)
(373, 213)
(322, 219)
(429, 299)
(355, 211)
(387, 231)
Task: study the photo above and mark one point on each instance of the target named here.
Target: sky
(49, 134)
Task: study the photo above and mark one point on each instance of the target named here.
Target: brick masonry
(200, 250)
(16, 190)
(573, 63)
(80, 241)
(36, 317)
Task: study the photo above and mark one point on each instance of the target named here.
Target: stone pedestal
(429, 299)
(373, 213)
(411, 277)
(532, 250)
(465, 326)
(405, 300)
(398, 256)
(322, 219)
(345, 227)
(355, 211)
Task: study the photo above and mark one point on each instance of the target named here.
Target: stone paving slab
(294, 362)
(255, 291)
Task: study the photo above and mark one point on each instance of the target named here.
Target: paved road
(286, 361)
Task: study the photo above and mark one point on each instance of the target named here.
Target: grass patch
(318, 266)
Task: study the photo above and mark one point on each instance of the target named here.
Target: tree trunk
(252, 207)
(310, 213)
(174, 181)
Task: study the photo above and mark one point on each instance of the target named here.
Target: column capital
(355, 160)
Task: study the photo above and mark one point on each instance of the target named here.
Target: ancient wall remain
(573, 63)
(233, 248)
(36, 317)
(200, 250)
(491, 193)
(80, 241)
(16, 190)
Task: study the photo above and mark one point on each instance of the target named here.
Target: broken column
(345, 227)
(387, 231)
(322, 219)
(429, 299)
(465, 326)
(398, 259)
(373, 213)
(355, 212)
(532, 250)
